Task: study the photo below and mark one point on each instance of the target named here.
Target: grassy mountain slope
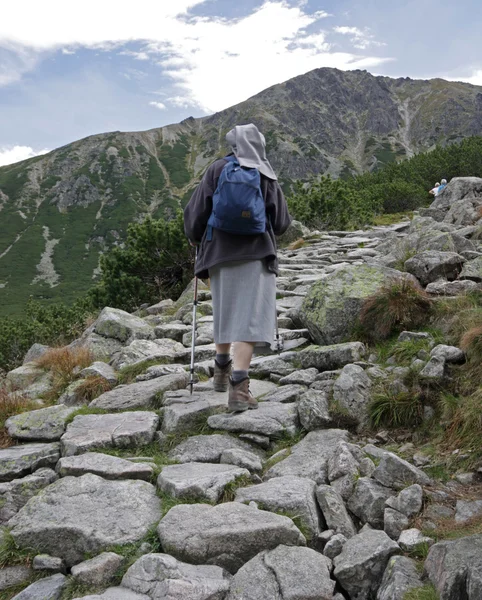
(58, 212)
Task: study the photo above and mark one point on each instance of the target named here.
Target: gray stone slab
(335, 356)
(285, 573)
(50, 588)
(43, 425)
(401, 576)
(271, 419)
(122, 326)
(227, 535)
(24, 459)
(334, 511)
(76, 515)
(144, 394)
(198, 481)
(209, 448)
(285, 394)
(368, 501)
(16, 493)
(291, 495)
(98, 571)
(100, 369)
(119, 430)
(104, 465)
(397, 473)
(183, 413)
(163, 577)
(115, 593)
(15, 575)
(309, 458)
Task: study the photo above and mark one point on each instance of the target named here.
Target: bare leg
(223, 348)
(243, 352)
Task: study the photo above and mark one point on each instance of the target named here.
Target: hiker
(443, 184)
(237, 251)
(434, 190)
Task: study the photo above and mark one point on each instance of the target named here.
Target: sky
(69, 69)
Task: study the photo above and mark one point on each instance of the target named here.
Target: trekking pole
(194, 306)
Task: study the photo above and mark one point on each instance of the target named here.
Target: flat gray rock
(394, 523)
(360, 565)
(104, 465)
(472, 270)
(397, 473)
(454, 568)
(198, 481)
(303, 377)
(401, 576)
(52, 564)
(100, 369)
(76, 515)
(334, 511)
(285, 573)
(144, 394)
(271, 419)
(412, 539)
(174, 331)
(16, 493)
(285, 394)
(452, 288)
(122, 326)
(409, 501)
(289, 495)
(309, 458)
(115, 593)
(335, 356)
(209, 448)
(163, 577)
(122, 430)
(227, 535)
(42, 425)
(98, 571)
(49, 587)
(242, 458)
(138, 351)
(183, 413)
(368, 501)
(450, 354)
(24, 459)
(263, 367)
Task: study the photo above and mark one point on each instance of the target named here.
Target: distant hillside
(58, 212)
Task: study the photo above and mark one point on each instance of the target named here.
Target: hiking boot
(221, 376)
(240, 398)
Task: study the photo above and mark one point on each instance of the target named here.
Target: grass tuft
(85, 410)
(229, 492)
(471, 344)
(427, 592)
(395, 410)
(92, 387)
(64, 364)
(396, 306)
(12, 554)
(463, 416)
(129, 373)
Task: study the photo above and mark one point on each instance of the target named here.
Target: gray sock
(223, 359)
(238, 376)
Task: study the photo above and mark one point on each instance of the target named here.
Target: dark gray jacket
(224, 246)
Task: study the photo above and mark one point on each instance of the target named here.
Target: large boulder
(122, 326)
(295, 231)
(454, 568)
(162, 576)
(163, 350)
(227, 535)
(289, 495)
(285, 573)
(120, 430)
(360, 565)
(332, 306)
(329, 358)
(431, 265)
(76, 515)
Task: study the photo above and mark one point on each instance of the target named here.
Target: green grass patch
(85, 410)
(229, 492)
(129, 373)
(427, 592)
(12, 554)
(151, 450)
(168, 502)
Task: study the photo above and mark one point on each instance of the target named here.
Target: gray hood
(249, 146)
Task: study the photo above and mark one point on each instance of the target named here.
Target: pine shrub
(397, 306)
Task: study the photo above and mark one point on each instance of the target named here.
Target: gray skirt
(244, 302)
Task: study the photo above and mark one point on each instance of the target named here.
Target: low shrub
(398, 305)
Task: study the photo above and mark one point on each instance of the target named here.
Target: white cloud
(213, 62)
(158, 105)
(361, 39)
(15, 154)
(67, 51)
(475, 78)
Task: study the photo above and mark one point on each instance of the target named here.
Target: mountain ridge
(61, 210)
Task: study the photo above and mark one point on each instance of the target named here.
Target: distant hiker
(434, 190)
(234, 215)
(443, 184)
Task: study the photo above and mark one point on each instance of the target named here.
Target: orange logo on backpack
(246, 214)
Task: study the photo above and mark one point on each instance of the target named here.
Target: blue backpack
(238, 203)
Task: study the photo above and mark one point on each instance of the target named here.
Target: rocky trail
(148, 492)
